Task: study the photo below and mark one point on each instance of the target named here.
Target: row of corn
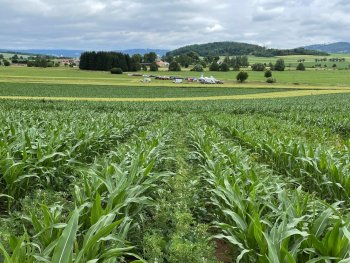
(264, 216)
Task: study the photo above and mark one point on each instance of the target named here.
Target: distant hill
(77, 53)
(239, 49)
(338, 47)
(159, 52)
(12, 52)
(47, 52)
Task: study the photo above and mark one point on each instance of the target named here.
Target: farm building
(162, 64)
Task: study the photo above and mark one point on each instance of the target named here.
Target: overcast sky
(165, 24)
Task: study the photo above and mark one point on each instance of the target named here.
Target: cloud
(214, 28)
(120, 24)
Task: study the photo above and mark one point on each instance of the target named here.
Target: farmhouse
(66, 62)
(162, 64)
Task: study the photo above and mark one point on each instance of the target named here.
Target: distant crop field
(312, 77)
(73, 84)
(99, 91)
(9, 55)
(292, 61)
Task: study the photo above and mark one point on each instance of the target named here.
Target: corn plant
(265, 217)
(316, 168)
(46, 154)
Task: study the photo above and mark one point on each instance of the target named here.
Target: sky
(165, 24)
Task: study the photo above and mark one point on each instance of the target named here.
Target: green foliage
(242, 76)
(110, 91)
(64, 249)
(279, 65)
(268, 74)
(107, 196)
(187, 59)
(174, 66)
(239, 61)
(137, 58)
(239, 49)
(168, 58)
(105, 61)
(149, 57)
(214, 66)
(270, 80)
(175, 235)
(18, 60)
(107, 182)
(300, 67)
(258, 67)
(41, 62)
(224, 67)
(197, 68)
(50, 64)
(116, 71)
(153, 66)
(217, 49)
(6, 63)
(263, 233)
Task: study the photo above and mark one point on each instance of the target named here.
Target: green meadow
(292, 61)
(63, 75)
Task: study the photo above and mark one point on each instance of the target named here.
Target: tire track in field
(268, 95)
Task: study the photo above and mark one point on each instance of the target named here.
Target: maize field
(176, 181)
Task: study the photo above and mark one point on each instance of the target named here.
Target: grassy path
(176, 235)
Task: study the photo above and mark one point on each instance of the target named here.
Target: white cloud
(119, 24)
(214, 28)
(94, 7)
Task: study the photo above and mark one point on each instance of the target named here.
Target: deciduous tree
(268, 74)
(174, 66)
(242, 76)
(153, 66)
(214, 66)
(279, 66)
(300, 67)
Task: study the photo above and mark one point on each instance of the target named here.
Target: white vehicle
(177, 81)
(206, 80)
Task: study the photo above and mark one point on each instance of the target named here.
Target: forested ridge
(238, 49)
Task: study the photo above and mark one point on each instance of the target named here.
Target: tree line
(31, 61)
(278, 66)
(105, 61)
(330, 59)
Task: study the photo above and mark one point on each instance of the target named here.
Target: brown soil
(223, 252)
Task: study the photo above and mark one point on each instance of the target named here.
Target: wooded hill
(239, 49)
(338, 47)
